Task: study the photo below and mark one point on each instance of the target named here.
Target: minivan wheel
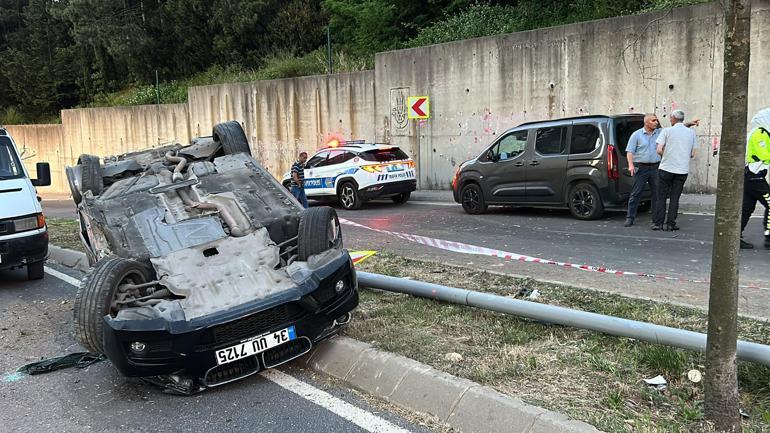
(584, 202)
(472, 199)
(36, 270)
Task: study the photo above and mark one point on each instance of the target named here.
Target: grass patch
(590, 376)
(63, 233)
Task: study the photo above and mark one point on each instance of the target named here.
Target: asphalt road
(36, 321)
(555, 235)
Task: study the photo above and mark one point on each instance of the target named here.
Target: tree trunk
(721, 386)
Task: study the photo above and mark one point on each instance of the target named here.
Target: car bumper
(189, 347)
(19, 251)
(388, 189)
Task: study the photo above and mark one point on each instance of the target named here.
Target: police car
(354, 172)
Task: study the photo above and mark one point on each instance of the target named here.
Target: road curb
(72, 259)
(461, 403)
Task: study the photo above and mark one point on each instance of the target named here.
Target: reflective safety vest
(758, 150)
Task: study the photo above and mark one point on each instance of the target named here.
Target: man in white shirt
(676, 145)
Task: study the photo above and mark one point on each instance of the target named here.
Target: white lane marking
(357, 416)
(711, 214)
(434, 203)
(64, 277)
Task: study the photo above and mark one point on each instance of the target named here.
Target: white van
(23, 233)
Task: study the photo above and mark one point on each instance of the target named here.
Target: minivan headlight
(29, 223)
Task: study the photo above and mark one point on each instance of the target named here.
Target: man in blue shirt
(643, 163)
(298, 179)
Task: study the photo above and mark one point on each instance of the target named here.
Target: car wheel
(472, 199)
(319, 230)
(349, 197)
(72, 182)
(90, 174)
(96, 297)
(401, 198)
(232, 138)
(585, 202)
(36, 270)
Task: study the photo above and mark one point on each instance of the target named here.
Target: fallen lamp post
(665, 335)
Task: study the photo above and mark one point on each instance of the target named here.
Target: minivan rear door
(623, 127)
(546, 166)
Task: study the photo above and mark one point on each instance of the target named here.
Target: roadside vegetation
(87, 53)
(590, 376)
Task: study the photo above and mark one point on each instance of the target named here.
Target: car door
(313, 181)
(503, 171)
(547, 165)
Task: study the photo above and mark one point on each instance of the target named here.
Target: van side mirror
(43, 174)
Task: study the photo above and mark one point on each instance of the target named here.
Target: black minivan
(578, 163)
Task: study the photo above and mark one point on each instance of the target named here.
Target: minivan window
(384, 155)
(623, 130)
(550, 141)
(510, 146)
(10, 167)
(584, 139)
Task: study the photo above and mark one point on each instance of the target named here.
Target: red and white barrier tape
(459, 247)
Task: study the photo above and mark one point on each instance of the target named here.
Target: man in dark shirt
(298, 179)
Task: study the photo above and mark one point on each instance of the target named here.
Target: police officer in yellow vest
(755, 187)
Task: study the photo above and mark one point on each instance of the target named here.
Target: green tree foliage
(35, 65)
(63, 53)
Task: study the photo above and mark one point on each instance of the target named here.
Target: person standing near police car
(755, 186)
(298, 179)
(643, 161)
(676, 146)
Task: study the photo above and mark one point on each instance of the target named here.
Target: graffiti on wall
(399, 111)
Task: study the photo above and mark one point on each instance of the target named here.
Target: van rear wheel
(584, 202)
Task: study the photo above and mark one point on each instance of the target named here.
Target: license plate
(255, 345)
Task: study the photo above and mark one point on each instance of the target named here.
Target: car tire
(95, 295)
(401, 198)
(472, 199)
(319, 230)
(90, 175)
(644, 206)
(349, 197)
(70, 172)
(584, 202)
(36, 270)
(232, 138)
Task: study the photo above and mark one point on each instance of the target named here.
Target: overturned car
(205, 269)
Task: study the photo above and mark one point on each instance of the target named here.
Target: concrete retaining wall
(478, 89)
(481, 87)
(282, 117)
